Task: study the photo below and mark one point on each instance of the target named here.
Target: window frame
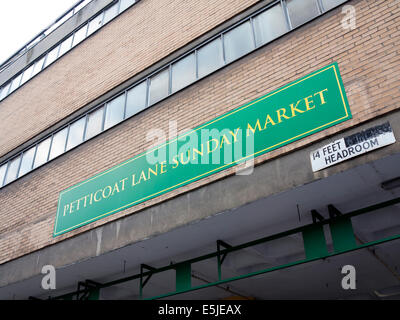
(17, 157)
(107, 104)
(195, 64)
(34, 147)
(147, 80)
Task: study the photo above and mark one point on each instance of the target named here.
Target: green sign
(299, 109)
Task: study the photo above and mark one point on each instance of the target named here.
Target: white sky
(21, 20)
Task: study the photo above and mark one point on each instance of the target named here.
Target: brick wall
(368, 59)
(132, 42)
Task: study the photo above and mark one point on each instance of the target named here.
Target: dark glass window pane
(158, 86)
(42, 152)
(136, 100)
(95, 122)
(75, 135)
(269, 25)
(210, 57)
(27, 160)
(238, 41)
(301, 11)
(58, 144)
(183, 72)
(329, 4)
(114, 111)
(12, 170)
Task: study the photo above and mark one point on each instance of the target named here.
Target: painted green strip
(253, 243)
(314, 241)
(342, 234)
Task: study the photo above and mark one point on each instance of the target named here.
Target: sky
(21, 20)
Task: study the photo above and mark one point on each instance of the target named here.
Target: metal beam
(314, 244)
(221, 257)
(148, 275)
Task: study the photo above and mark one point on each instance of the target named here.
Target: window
(125, 4)
(183, 72)
(2, 173)
(42, 152)
(80, 35)
(301, 11)
(95, 123)
(1, 92)
(238, 42)
(95, 24)
(58, 143)
(158, 86)
(75, 135)
(136, 99)
(65, 46)
(4, 91)
(27, 74)
(38, 66)
(26, 162)
(52, 56)
(15, 83)
(329, 4)
(110, 13)
(12, 170)
(210, 57)
(114, 111)
(269, 25)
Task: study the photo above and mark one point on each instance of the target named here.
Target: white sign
(352, 146)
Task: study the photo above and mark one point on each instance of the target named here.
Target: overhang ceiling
(377, 270)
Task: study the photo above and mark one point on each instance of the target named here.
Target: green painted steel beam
(183, 277)
(342, 235)
(314, 241)
(259, 241)
(94, 294)
(284, 266)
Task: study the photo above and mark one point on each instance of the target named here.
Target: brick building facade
(135, 45)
